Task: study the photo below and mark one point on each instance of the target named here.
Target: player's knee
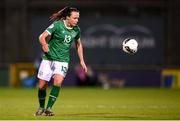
(42, 86)
(58, 82)
(58, 79)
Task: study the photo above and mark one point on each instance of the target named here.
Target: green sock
(53, 95)
(41, 97)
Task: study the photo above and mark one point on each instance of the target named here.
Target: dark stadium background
(104, 24)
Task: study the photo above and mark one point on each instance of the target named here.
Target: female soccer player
(61, 33)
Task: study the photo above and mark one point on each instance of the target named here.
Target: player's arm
(80, 54)
(42, 39)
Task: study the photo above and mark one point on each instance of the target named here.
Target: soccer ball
(130, 46)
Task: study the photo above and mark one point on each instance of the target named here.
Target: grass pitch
(94, 104)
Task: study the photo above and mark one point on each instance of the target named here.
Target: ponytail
(63, 13)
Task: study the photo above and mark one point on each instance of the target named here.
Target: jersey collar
(66, 26)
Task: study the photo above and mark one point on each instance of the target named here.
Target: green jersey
(61, 41)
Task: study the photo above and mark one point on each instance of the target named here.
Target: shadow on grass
(98, 116)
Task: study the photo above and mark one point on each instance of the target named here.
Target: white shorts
(48, 68)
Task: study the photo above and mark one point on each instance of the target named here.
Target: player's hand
(45, 48)
(83, 65)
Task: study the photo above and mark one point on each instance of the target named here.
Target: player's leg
(44, 75)
(58, 79)
(41, 97)
(60, 70)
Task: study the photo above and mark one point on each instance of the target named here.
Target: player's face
(73, 19)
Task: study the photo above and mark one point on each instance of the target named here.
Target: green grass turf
(94, 104)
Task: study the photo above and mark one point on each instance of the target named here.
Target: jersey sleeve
(51, 28)
(78, 34)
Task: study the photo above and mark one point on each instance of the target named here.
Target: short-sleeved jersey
(61, 41)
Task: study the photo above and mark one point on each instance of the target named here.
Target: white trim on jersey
(48, 32)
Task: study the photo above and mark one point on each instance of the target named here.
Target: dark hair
(63, 13)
